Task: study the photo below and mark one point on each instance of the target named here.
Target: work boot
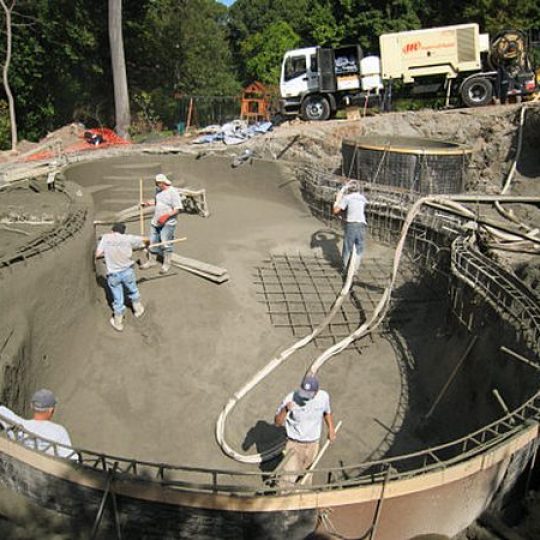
(165, 267)
(117, 322)
(151, 260)
(138, 309)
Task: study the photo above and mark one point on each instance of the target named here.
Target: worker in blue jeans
(350, 203)
(168, 204)
(117, 248)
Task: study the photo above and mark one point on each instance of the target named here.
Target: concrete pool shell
(154, 392)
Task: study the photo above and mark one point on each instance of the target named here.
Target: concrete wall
(43, 300)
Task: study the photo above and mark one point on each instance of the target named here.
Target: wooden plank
(211, 277)
(198, 265)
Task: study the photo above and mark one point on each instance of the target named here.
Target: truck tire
(315, 108)
(477, 92)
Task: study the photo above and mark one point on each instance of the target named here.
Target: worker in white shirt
(168, 204)
(117, 248)
(43, 405)
(350, 203)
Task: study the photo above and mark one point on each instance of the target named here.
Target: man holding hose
(302, 413)
(351, 203)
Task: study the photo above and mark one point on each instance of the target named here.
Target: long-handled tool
(310, 469)
(158, 244)
(141, 210)
(166, 243)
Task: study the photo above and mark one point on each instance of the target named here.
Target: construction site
(430, 352)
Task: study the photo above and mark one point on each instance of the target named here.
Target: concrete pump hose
(274, 451)
(365, 328)
(382, 307)
(510, 176)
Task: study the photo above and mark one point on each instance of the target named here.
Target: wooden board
(198, 265)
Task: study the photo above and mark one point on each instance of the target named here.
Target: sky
(227, 2)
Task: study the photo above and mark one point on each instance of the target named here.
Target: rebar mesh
(417, 165)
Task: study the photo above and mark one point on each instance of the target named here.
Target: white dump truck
(316, 81)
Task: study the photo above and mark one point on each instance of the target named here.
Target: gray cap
(43, 399)
(309, 386)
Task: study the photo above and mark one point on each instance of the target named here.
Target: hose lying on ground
(377, 317)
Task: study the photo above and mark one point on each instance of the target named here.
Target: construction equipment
(316, 81)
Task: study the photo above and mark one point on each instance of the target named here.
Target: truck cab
(316, 81)
(299, 76)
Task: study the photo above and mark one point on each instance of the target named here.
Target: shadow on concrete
(327, 240)
(263, 436)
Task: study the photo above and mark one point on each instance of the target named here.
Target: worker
(351, 204)
(302, 412)
(117, 248)
(43, 405)
(168, 204)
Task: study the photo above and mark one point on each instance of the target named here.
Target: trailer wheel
(477, 92)
(315, 108)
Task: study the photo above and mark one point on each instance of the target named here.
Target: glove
(163, 219)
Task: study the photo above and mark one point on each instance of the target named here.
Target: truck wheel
(315, 108)
(477, 92)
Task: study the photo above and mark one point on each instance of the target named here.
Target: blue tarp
(235, 132)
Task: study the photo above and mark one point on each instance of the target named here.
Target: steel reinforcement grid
(50, 239)
(432, 235)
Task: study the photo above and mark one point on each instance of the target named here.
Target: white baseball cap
(162, 179)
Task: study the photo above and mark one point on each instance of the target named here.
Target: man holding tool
(168, 204)
(302, 413)
(352, 203)
(117, 248)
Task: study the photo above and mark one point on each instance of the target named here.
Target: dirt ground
(186, 352)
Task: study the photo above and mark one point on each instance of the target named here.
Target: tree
(8, 8)
(264, 51)
(121, 95)
(248, 18)
(496, 15)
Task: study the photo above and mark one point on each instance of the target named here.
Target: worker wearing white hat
(168, 204)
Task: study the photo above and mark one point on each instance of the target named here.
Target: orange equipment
(254, 103)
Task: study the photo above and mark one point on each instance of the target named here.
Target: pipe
(451, 378)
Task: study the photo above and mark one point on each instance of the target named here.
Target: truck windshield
(294, 67)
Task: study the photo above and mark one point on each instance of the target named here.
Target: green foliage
(60, 69)
(496, 15)
(5, 126)
(264, 51)
(146, 119)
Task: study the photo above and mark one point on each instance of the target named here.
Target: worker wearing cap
(302, 412)
(168, 204)
(117, 248)
(43, 405)
(351, 204)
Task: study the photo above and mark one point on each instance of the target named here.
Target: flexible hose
(365, 328)
(507, 213)
(274, 451)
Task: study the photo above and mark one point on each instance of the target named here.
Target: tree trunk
(121, 96)
(11, 101)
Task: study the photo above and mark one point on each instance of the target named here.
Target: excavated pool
(154, 392)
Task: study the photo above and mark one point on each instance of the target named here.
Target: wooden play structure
(254, 103)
